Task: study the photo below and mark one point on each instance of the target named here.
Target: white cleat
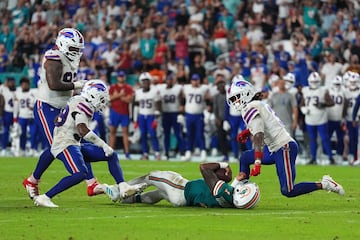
(187, 156)
(31, 188)
(112, 191)
(331, 186)
(203, 155)
(127, 190)
(44, 201)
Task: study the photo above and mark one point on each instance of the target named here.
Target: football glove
(226, 126)
(107, 150)
(181, 119)
(256, 168)
(243, 136)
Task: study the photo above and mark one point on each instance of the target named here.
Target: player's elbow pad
(92, 137)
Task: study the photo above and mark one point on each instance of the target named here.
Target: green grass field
(316, 216)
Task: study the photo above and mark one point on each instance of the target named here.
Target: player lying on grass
(71, 125)
(272, 143)
(210, 191)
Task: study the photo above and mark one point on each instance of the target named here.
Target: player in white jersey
(7, 91)
(351, 93)
(23, 113)
(170, 93)
(335, 113)
(196, 97)
(72, 125)
(147, 102)
(272, 143)
(316, 99)
(58, 80)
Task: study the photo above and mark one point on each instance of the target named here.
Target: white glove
(108, 150)
(305, 110)
(226, 126)
(79, 84)
(181, 119)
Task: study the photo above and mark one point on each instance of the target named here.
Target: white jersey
(147, 100)
(195, 98)
(170, 97)
(65, 132)
(56, 99)
(25, 104)
(335, 112)
(9, 98)
(351, 96)
(316, 116)
(275, 134)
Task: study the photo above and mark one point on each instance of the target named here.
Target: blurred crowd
(258, 39)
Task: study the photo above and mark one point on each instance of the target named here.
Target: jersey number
(61, 118)
(69, 77)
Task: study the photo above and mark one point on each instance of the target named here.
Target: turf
(319, 215)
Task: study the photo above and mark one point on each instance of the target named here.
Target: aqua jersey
(197, 193)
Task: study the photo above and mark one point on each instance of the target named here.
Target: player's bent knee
(286, 193)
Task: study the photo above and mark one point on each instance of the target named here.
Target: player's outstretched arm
(208, 171)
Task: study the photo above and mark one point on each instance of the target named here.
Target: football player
(272, 143)
(196, 97)
(147, 102)
(58, 80)
(71, 125)
(7, 91)
(23, 112)
(209, 192)
(316, 99)
(335, 113)
(351, 114)
(170, 93)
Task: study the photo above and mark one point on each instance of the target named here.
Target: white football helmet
(240, 93)
(144, 75)
(96, 93)
(353, 82)
(71, 43)
(314, 80)
(337, 82)
(246, 195)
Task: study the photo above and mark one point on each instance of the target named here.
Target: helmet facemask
(71, 43)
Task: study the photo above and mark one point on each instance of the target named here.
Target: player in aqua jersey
(179, 191)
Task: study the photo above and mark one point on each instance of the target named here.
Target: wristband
(15, 120)
(257, 161)
(223, 164)
(258, 155)
(235, 182)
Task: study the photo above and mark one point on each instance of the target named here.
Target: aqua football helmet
(246, 195)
